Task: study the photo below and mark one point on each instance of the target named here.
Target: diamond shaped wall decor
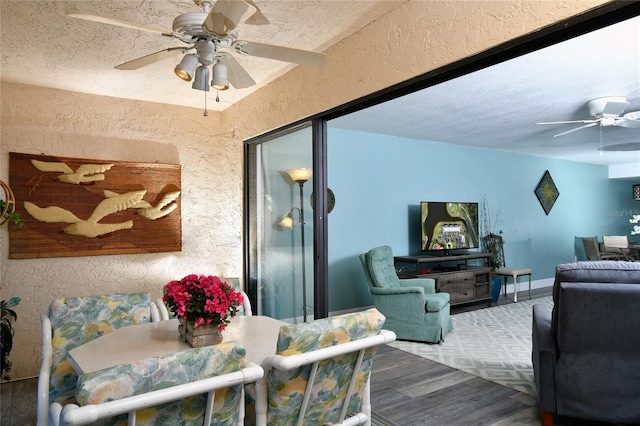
(546, 192)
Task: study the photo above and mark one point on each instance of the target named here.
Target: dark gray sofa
(586, 352)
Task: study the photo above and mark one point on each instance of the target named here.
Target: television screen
(449, 226)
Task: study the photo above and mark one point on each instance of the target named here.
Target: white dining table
(258, 334)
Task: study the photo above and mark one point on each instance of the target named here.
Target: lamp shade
(287, 221)
(201, 82)
(300, 175)
(636, 192)
(220, 81)
(187, 67)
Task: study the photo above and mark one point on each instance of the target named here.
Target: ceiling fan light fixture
(220, 80)
(187, 67)
(201, 81)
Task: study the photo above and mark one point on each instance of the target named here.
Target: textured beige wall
(413, 39)
(36, 120)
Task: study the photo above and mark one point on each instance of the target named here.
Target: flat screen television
(449, 226)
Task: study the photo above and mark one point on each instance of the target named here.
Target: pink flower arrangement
(201, 299)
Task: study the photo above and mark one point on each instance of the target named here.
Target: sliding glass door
(279, 263)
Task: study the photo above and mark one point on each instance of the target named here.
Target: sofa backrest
(597, 272)
(596, 328)
(381, 267)
(598, 317)
(593, 272)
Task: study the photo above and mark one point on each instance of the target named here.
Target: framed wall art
(547, 192)
(84, 207)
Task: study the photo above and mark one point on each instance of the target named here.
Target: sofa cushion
(381, 267)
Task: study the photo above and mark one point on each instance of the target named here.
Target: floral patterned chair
(201, 386)
(320, 373)
(72, 322)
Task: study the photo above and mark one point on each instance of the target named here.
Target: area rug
(492, 343)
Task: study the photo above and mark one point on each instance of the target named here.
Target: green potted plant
(7, 317)
(10, 215)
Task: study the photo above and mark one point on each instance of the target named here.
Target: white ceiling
(494, 108)
(42, 46)
(498, 107)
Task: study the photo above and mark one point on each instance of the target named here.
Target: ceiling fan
(606, 112)
(211, 33)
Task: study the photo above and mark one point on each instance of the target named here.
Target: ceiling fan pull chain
(601, 141)
(217, 97)
(206, 113)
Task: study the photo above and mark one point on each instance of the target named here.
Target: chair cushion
(170, 370)
(437, 301)
(513, 271)
(78, 320)
(286, 388)
(382, 268)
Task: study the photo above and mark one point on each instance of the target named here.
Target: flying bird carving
(163, 208)
(85, 173)
(90, 227)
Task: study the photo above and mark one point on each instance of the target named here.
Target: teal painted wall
(379, 181)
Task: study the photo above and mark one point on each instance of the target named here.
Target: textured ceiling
(42, 46)
(498, 107)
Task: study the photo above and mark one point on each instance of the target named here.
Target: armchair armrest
(544, 356)
(428, 284)
(406, 304)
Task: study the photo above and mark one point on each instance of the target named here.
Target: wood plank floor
(407, 390)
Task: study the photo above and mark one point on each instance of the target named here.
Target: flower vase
(204, 335)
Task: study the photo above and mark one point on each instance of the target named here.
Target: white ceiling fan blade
(288, 54)
(237, 75)
(257, 18)
(119, 23)
(630, 120)
(576, 129)
(226, 15)
(570, 122)
(152, 58)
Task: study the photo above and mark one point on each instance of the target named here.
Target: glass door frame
(319, 199)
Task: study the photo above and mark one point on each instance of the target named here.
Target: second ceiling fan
(606, 112)
(211, 34)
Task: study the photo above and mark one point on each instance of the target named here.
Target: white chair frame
(72, 414)
(291, 362)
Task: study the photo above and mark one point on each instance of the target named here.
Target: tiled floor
(18, 402)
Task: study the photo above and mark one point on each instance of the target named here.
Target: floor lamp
(300, 176)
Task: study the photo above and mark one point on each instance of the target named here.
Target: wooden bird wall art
(82, 207)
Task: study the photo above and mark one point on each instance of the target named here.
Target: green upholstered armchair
(413, 309)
